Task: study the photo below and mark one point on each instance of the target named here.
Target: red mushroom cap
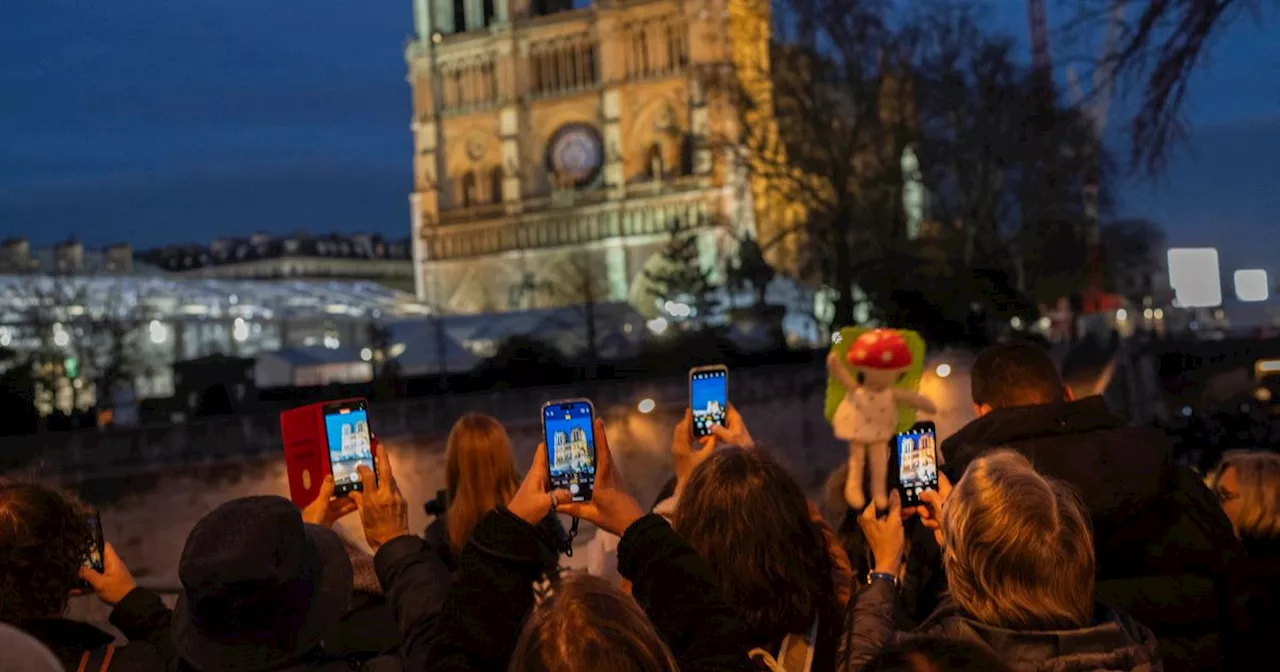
(880, 349)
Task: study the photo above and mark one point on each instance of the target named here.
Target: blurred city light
(366, 354)
(1148, 313)
(1186, 411)
(676, 309)
(657, 325)
(647, 405)
(61, 338)
(1159, 313)
(1195, 277)
(158, 332)
(240, 330)
(1122, 314)
(1251, 285)
(1262, 394)
(1015, 322)
(943, 370)
(1045, 324)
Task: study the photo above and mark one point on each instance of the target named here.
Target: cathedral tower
(554, 143)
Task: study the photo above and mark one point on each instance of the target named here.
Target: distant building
(297, 256)
(311, 367)
(551, 141)
(69, 258)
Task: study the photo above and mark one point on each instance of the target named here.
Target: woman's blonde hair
(1017, 547)
(480, 474)
(1258, 478)
(587, 625)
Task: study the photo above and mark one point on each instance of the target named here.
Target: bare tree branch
(1158, 51)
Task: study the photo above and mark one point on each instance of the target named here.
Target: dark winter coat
(437, 537)
(1165, 549)
(1113, 643)
(493, 593)
(1257, 596)
(70, 640)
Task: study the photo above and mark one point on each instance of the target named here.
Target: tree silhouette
(680, 276)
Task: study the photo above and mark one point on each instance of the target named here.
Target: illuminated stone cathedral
(571, 451)
(555, 147)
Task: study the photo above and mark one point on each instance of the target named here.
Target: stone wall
(147, 514)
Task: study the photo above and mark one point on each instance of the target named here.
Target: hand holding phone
(568, 429)
(708, 397)
(350, 442)
(916, 453)
(93, 559)
(611, 508)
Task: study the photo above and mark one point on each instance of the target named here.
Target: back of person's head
(44, 538)
(589, 624)
(745, 515)
(1017, 548)
(1256, 511)
(935, 654)
(1015, 374)
(480, 474)
(20, 652)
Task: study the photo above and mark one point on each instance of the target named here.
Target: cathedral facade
(555, 148)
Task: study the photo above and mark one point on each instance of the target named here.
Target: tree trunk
(844, 277)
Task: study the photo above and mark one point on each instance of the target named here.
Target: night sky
(156, 122)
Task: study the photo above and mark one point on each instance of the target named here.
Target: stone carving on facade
(476, 147)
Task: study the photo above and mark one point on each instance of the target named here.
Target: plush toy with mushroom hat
(868, 414)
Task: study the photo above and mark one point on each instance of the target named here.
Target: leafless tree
(580, 279)
(824, 127)
(1007, 172)
(1160, 45)
(83, 329)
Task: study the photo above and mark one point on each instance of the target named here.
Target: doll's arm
(841, 372)
(915, 399)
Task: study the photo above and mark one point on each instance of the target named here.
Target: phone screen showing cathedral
(917, 464)
(350, 445)
(571, 448)
(708, 398)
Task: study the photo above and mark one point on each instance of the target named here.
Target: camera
(439, 505)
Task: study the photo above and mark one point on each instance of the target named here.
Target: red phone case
(306, 450)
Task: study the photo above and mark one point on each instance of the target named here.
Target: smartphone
(916, 451)
(346, 429)
(708, 397)
(568, 428)
(93, 560)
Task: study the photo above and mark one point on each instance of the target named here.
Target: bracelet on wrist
(882, 576)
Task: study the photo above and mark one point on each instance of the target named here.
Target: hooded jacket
(1164, 547)
(1114, 642)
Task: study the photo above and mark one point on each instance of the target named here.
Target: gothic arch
(662, 121)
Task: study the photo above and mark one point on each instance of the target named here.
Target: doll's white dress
(866, 416)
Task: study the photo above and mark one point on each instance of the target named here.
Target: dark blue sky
(155, 121)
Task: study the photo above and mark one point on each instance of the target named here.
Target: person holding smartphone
(47, 541)
(484, 626)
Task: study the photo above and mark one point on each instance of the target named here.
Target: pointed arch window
(468, 196)
(655, 167)
(495, 185)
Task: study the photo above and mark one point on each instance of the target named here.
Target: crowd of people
(1058, 538)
